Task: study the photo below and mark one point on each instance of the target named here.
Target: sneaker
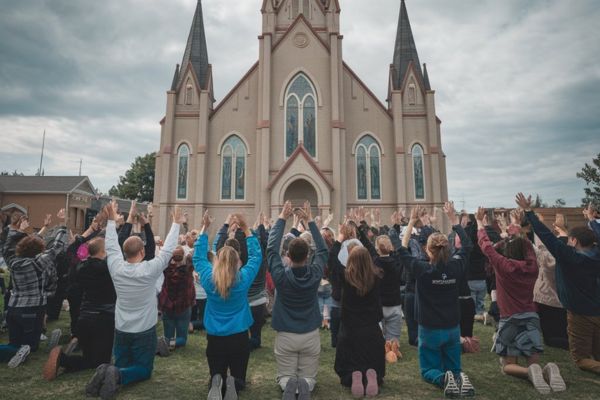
(290, 389)
(172, 344)
(43, 337)
(303, 389)
(372, 388)
(230, 391)
(536, 377)
(162, 347)
(466, 388)
(479, 318)
(357, 388)
(50, 371)
(112, 378)
(451, 389)
(92, 389)
(216, 385)
(552, 376)
(70, 348)
(20, 357)
(54, 338)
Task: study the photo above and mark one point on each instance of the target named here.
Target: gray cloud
(516, 82)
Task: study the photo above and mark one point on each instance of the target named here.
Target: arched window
(301, 116)
(189, 93)
(418, 171)
(368, 169)
(233, 169)
(183, 158)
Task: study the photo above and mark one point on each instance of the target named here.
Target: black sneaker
(290, 389)
(216, 385)
(303, 389)
(466, 388)
(451, 389)
(162, 347)
(92, 389)
(112, 378)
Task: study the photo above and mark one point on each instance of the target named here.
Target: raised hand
(48, 220)
(480, 214)
(61, 214)
(589, 212)
(451, 212)
(327, 220)
(414, 215)
(523, 202)
(143, 219)
(287, 211)
(179, 215)
(109, 212)
(23, 224)
(308, 211)
(516, 216)
(560, 225)
(206, 220)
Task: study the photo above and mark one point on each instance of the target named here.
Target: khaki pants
(584, 341)
(297, 355)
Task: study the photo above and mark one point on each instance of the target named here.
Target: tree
(538, 202)
(591, 175)
(138, 182)
(559, 203)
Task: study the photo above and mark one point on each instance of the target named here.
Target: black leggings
(258, 314)
(554, 326)
(229, 353)
(467, 315)
(95, 334)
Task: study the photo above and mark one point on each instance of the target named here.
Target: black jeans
(335, 317)
(197, 317)
(411, 319)
(25, 325)
(55, 304)
(96, 333)
(74, 306)
(467, 315)
(553, 322)
(258, 314)
(229, 353)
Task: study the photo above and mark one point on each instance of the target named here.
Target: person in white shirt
(136, 307)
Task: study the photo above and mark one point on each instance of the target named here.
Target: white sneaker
(466, 388)
(451, 389)
(553, 377)
(43, 338)
(536, 377)
(20, 357)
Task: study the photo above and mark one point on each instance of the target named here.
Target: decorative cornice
(300, 150)
(338, 124)
(263, 124)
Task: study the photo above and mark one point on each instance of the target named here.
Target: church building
(299, 125)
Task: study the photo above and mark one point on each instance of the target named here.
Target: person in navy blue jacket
(296, 314)
(227, 316)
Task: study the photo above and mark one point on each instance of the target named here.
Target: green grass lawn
(184, 375)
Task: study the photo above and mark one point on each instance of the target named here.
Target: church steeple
(175, 78)
(426, 77)
(405, 49)
(196, 52)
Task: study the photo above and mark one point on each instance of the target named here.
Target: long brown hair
(225, 270)
(439, 248)
(360, 271)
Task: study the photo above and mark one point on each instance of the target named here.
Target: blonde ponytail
(225, 270)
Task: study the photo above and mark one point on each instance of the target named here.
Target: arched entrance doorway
(300, 191)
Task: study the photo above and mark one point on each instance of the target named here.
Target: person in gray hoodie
(296, 315)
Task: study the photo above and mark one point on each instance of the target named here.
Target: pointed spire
(175, 78)
(426, 77)
(196, 52)
(405, 49)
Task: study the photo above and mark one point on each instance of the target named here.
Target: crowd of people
(362, 283)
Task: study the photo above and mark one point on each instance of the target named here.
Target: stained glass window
(368, 169)
(233, 170)
(418, 171)
(301, 116)
(183, 156)
(309, 126)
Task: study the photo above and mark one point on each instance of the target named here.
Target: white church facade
(299, 125)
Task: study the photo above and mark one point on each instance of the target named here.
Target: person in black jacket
(96, 323)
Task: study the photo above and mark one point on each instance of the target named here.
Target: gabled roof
(300, 151)
(47, 184)
(405, 49)
(196, 52)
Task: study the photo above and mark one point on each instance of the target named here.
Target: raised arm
(364, 239)
(150, 246)
(276, 266)
(248, 272)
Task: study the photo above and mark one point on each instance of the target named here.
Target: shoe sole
(358, 389)
(216, 385)
(70, 348)
(162, 347)
(50, 370)
(303, 390)
(290, 389)
(555, 380)
(536, 377)
(19, 358)
(54, 338)
(372, 388)
(92, 388)
(109, 387)
(230, 392)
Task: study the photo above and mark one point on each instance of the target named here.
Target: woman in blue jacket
(227, 315)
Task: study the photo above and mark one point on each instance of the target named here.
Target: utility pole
(42, 156)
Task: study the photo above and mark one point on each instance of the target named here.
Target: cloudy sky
(517, 82)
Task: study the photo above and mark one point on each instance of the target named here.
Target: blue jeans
(439, 351)
(134, 355)
(176, 326)
(324, 301)
(478, 292)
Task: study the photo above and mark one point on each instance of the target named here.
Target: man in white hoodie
(136, 307)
